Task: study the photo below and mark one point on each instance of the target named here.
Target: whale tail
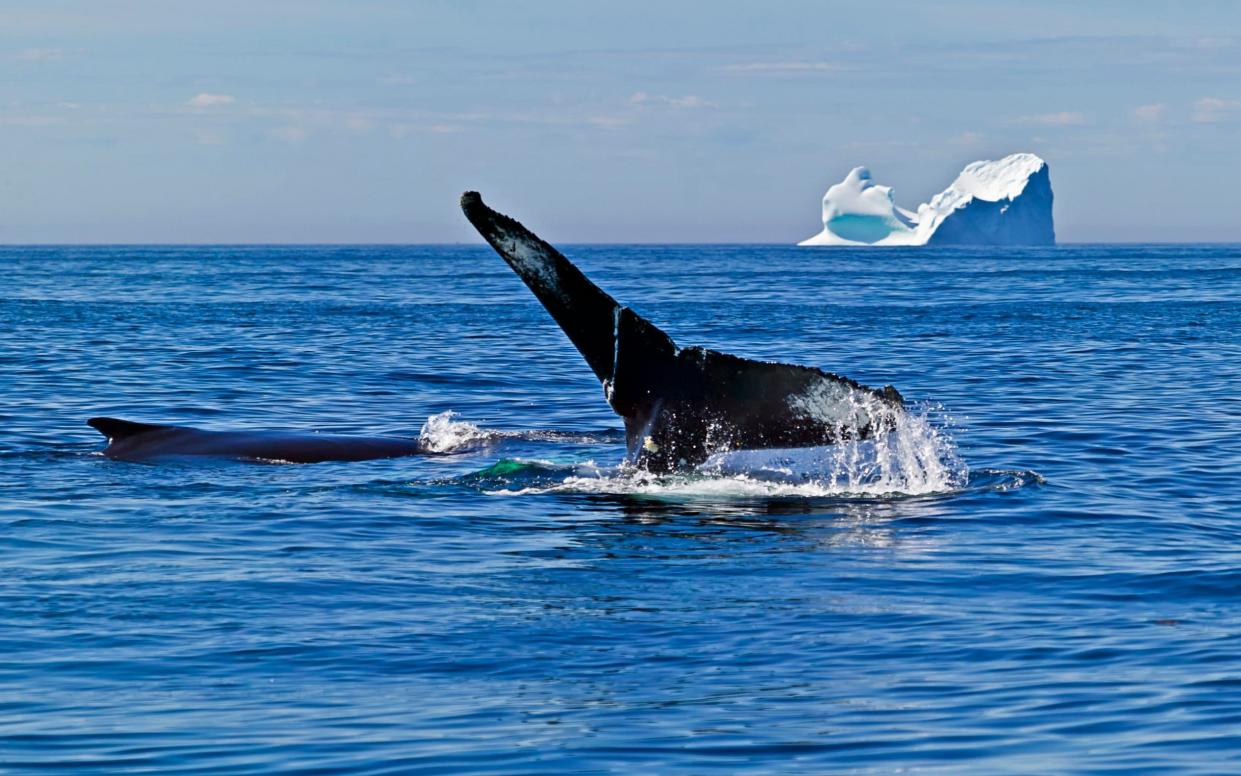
(585, 313)
(682, 404)
(116, 429)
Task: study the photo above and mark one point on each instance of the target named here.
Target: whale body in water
(130, 441)
(680, 406)
(683, 405)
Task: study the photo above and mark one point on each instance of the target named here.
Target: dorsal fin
(116, 429)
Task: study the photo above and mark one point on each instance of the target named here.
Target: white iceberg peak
(1005, 202)
(993, 181)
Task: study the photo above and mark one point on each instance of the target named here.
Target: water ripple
(524, 604)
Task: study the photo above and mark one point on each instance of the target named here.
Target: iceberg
(1004, 202)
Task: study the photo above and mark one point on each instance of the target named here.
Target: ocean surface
(1057, 589)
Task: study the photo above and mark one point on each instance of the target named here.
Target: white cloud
(688, 102)
(608, 122)
(1215, 43)
(1152, 112)
(1209, 110)
(17, 120)
(402, 130)
(40, 54)
(1060, 119)
(968, 138)
(288, 134)
(359, 123)
(204, 100)
(398, 80)
(208, 137)
(783, 68)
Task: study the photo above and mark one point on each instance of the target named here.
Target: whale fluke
(680, 405)
(585, 313)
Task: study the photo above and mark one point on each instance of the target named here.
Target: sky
(362, 121)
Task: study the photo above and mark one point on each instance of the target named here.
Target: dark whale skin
(130, 441)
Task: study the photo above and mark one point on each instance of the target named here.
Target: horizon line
(481, 243)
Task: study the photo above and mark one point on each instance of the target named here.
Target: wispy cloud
(359, 123)
(205, 100)
(608, 122)
(782, 68)
(1153, 112)
(1059, 119)
(208, 137)
(40, 54)
(401, 131)
(1213, 43)
(1209, 110)
(18, 120)
(397, 80)
(288, 134)
(688, 102)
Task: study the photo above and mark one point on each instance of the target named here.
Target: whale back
(131, 441)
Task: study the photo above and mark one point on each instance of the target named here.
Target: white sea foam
(916, 458)
(443, 433)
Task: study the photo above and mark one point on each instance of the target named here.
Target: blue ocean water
(1071, 604)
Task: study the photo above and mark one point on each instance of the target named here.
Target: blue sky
(629, 121)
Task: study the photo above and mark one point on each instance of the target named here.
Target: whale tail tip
(472, 205)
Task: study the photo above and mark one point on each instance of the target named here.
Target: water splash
(515, 477)
(917, 457)
(443, 433)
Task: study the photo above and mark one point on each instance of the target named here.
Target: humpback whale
(130, 441)
(682, 405)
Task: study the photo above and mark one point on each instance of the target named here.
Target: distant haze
(363, 121)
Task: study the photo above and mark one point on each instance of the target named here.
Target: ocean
(1056, 589)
